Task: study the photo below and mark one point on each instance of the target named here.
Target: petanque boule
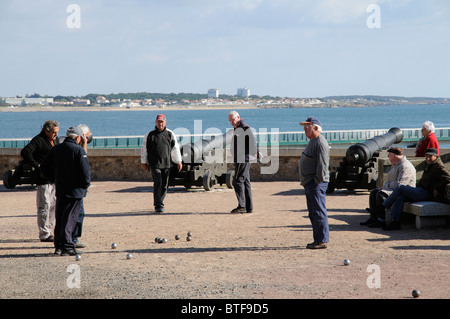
(164, 240)
(189, 234)
(113, 245)
(416, 293)
(177, 237)
(129, 256)
(346, 262)
(188, 238)
(78, 257)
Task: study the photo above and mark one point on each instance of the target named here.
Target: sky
(288, 48)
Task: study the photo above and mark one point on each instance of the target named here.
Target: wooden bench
(429, 213)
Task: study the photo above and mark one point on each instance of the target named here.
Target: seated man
(430, 187)
(429, 139)
(402, 172)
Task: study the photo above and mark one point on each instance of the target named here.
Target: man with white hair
(67, 165)
(79, 225)
(244, 152)
(429, 139)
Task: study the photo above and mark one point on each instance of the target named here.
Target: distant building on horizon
(243, 92)
(23, 101)
(213, 93)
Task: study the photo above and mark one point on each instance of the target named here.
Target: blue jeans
(404, 194)
(316, 200)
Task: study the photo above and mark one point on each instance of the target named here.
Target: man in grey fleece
(402, 172)
(314, 177)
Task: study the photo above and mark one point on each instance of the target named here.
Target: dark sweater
(68, 166)
(34, 153)
(435, 176)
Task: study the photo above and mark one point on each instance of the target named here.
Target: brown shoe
(239, 210)
(316, 246)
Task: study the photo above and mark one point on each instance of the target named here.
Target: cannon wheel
(208, 181)
(7, 179)
(230, 179)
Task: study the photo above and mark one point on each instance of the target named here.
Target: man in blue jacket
(68, 166)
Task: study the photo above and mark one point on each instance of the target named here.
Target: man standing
(67, 164)
(33, 154)
(430, 187)
(79, 225)
(314, 177)
(402, 172)
(244, 152)
(159, 149)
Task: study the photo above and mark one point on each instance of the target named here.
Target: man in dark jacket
(244, 151)
(432, 186)
(68, 166)
(159, 150)
(33, 154)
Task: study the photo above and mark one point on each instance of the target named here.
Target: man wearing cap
(430, 187)
(314, 177)
(159, 149)
(68, 166)
(402, 172)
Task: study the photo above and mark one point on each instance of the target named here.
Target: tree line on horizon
(179, 97)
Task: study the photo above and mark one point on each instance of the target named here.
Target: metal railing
(263, 138)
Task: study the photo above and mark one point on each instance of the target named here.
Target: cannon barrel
(193, 152)
(360, 153)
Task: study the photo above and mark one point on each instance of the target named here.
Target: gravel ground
(247, 256)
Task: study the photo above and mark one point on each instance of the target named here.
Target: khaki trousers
(46, 203)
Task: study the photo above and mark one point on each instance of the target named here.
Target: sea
(129, 122)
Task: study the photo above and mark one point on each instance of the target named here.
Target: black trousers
(376, 199)
(160, 184)
(67, 212)
(242, 186)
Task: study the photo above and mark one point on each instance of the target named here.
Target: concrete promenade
(260, 255)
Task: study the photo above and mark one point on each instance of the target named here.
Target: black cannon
(204, 163)
(359, 169)
(25, 174)
(22, 174)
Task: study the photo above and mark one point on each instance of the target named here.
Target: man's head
(395, 154)
(51, 129)
(427, 128)
(76, 133)
(431, 155)
(234, 119)
(312, 127)
(160, 122)
(86, 132)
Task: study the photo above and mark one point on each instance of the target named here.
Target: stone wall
(124, 164)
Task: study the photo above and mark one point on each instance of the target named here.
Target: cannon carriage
(359, 169)
(204, 164)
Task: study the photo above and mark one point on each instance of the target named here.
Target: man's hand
(179, 166)
(144, 166)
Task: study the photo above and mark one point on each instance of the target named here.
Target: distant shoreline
(115, 108)
(38, 108)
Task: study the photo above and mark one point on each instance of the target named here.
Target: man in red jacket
(429, 139)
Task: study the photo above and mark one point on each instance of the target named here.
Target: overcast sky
(293, 48)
